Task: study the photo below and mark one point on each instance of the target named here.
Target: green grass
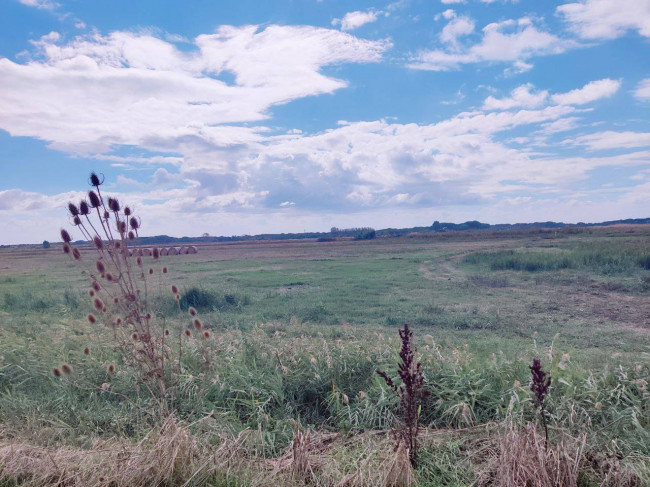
(298, 337)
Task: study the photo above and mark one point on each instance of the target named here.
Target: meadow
(284, 390)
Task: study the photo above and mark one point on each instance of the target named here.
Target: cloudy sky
(277, 116)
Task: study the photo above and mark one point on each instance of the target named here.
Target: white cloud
(607, 19)
(517, 67)
(97, 91)
(642, 91)
(354, 20)
(560, 125)
(457, 27)
(612, 140)
(522, 96)
(449, 2)
(506, 41)
(592, 91)
(43, 4)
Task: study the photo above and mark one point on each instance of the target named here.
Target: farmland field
(298, 329)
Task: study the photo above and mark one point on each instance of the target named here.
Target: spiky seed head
(192, 311)
(166, 333)
(150, 270)
(99, 304)
(188, 332)
(114, 204)
(110, 277)
(66, 369)
(117, 244)
(110, 368)
(174, 289)
(91, 293)
(96, 286)
(207, 334)
(134, 336)
(131, 235)
(76, 221)
(116, 300)
(101, 268)
(95, 180)
(76, 254)
(72, 208)
(84, 209)
(86, 351)
(93, 199)
(177, 297)
(147, 316)
(67, 248)
(56, 372)
(155, 253)
(135, 224)
(99, 243)
(164, 270)
(107, 215)
(197, 324)
(127, 211)
(118, 321)
(91, 319)
(65, 236)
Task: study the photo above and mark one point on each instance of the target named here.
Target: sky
(249, 117)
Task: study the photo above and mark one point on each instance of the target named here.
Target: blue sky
(251, 117)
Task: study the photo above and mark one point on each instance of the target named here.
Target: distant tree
(46, 244)
(206, 234)
(436, 227)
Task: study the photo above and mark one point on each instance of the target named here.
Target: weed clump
(411, 393)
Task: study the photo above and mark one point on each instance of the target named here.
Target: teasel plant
(540, 384)
(121, 283)
(411, 392)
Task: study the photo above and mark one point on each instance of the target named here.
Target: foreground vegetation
(284, 391)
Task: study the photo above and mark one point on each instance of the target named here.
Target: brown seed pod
(164, 270)
(99, 243)
(65, 236)
(91, 319)
(91, 293)
(174, 289)
(110, 277)
(93, 199)
(67, 248)
(99, 304)
(150, 270)
(84, 209)
(166, 333)
(76, 221)
(86, 351)
(76, 254)
(66, 369)
(56, 372)
(116, 300)
(206, 334)
(95, 180)
(96, 286)
(114, 204)
(134, 336)
(110, 368)
(72, 208)
(188, 333)
(100, 267)
(131, 235)
(197, 324)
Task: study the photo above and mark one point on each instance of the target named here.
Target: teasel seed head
(100, 267)
(156, 254)
(66, 369)
(87, 351)
(76, 221)
(197, 324)
(116, 300)
(134, 336)
(96, 286)
(121, 226)
(166, 333)
(147, 316)
(84, 209)
(107, 215)
(76, 254)
(110, 277)
(127, 211)
(188, 332)
(150, 270)
(134, 222)
(131, 235)
(174, 289)
(91, 319)
(93, 199)
(56, 372)
(91, 293)
(99, 304)
(192, 311)
(118, 321)
(72, 208)
(99, 243)
(114, 204)
(207, 334)
(117, 245)
(67, 248)
(164, 270)
(65, 236)
(95, 180)
(110, 368)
